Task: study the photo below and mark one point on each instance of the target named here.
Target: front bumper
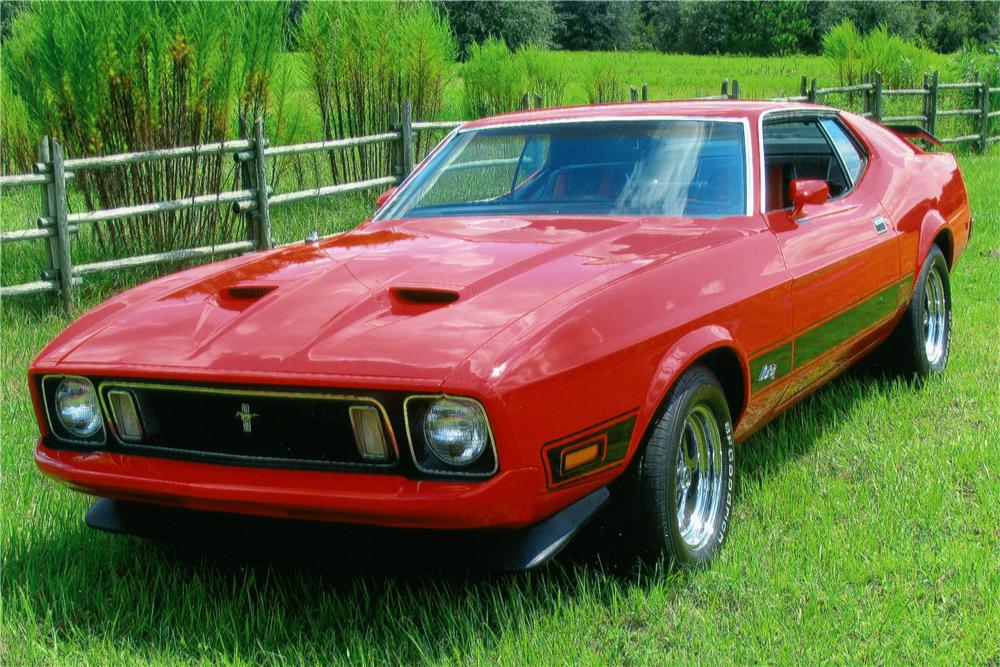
(511, 499)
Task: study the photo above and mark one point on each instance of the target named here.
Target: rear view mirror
(806, 191)
(384, 197)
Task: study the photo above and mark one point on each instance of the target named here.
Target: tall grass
(608, 81)
(116, 77)
(546, 75)
(17, 137)
(364, 58)
(857, 56)
(495, 78)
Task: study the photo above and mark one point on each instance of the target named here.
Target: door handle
(881, 226)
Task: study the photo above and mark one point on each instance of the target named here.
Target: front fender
(684, 353)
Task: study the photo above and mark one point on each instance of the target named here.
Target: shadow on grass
(244, 602)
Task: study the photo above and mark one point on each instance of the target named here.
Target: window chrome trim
(747, 149)
(458, 473)
(110, 385)
(48, 414)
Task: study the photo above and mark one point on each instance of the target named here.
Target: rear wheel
(683, 481)
(922, 341)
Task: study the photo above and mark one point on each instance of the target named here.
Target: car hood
(406, 299)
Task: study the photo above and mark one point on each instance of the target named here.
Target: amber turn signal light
(581, 457)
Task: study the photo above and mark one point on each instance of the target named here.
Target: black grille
(267, 427)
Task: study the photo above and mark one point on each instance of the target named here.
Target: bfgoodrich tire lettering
(684, 478)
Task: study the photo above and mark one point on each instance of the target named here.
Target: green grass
(867, 528)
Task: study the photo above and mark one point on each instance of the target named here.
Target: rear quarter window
(853, 159)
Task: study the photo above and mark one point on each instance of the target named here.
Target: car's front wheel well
(725, 363)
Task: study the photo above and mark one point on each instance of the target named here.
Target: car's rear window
(627, 167)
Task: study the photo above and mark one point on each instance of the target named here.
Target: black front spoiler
(493, 549)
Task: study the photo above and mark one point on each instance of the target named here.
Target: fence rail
(52, 171)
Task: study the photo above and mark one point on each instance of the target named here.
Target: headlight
(455, 430)
(76, 407)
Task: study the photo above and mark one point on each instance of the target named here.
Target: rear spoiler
(914, 132)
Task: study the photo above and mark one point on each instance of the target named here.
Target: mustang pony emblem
(246, 417)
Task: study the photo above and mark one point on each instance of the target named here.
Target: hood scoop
(412, 300)
(238, 297)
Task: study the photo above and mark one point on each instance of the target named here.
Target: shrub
(495, 79)
(363, 58)
(119, 77)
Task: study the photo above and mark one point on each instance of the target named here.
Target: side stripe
(775, 364)
(833, 332)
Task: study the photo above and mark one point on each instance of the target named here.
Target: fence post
(525, 102)
(539, 101)
(246, 180)
(633, 94)
(925, 100)
(932, 104)
(877, 91)
(812, 92)
(645, 92)
(866, 97)
(725, 88)
(396, 147)
(58, 199)
(804, 86)
(734, 93)
(263, 210)
(984, 113)
(406, 130)
(47, 206)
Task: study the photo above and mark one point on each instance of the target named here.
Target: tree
(946, 26)
(899, 18)
(600, 26)
(516, 23)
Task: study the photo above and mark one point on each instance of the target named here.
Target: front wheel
(684, 477)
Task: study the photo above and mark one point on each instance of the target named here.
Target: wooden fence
(254, 200)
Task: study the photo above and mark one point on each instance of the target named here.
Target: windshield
(627, 167)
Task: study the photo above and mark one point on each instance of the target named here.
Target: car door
(842, 255)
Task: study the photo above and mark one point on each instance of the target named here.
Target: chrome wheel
(698, 481)
(935, 317)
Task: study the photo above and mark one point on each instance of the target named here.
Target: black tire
(910, 347)
(696, 399)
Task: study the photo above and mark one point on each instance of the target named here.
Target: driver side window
(799, 149)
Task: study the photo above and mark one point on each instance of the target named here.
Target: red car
(555, 303)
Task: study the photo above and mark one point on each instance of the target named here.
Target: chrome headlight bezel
(416, 408)
(58, 426)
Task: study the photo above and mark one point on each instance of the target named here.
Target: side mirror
(805, 191)
(384, 197)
